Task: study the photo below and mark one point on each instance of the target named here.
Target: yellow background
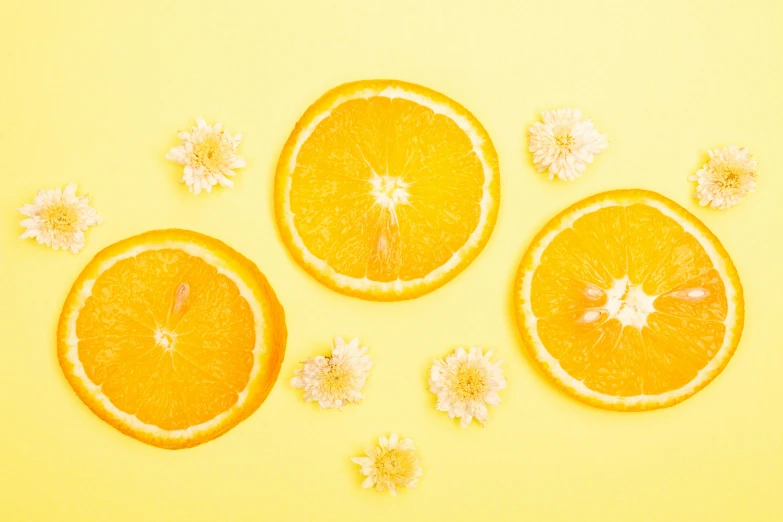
(94, 92)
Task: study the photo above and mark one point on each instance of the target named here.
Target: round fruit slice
(171, 337)
(386, 190)
(629, 302)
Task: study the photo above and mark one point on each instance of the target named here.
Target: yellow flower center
(564, 141)
(336, 379)
(395, 466)
(210, 152)
(60, 217)
(471, 383)
(729, 178)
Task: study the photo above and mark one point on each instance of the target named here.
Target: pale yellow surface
(94, 92)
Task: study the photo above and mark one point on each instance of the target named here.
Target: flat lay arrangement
(412, 261)
(386, 190)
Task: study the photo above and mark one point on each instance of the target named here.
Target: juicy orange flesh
(655, 253)
(202, 355)
(340, 220)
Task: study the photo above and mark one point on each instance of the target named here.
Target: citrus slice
(171, 337)
(628, 301)
(386, 190)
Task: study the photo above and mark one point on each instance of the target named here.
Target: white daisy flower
(726, 178)
(336, 380)
(209, 155)
(392, 464)
(58, 218)
(564, 144)
(465, 382)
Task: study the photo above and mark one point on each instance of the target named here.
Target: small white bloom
(726, 178)
(336, 380)
(209, 155)
(465, 382)
(564, 144)
(392, 464)
(58, 218)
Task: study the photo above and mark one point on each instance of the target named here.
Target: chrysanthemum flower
(58, 218)
(209, 155)
(726, 178)
(391, 465)
(564, 143)
(336, 380)
(465, 383)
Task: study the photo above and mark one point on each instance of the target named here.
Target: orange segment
(602, 235)
(171, 337)
(649, 234)
(701, 298)
(629, 302)
(581, 347)
(677, 350)
(386, 190)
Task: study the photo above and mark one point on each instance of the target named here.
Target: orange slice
(171, 337)
(386, 190)
(629, 302)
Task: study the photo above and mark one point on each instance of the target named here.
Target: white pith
(629, 304)
(379, 189)
(165, 339)
(389, 191)
(72, 352)
(637, 308)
